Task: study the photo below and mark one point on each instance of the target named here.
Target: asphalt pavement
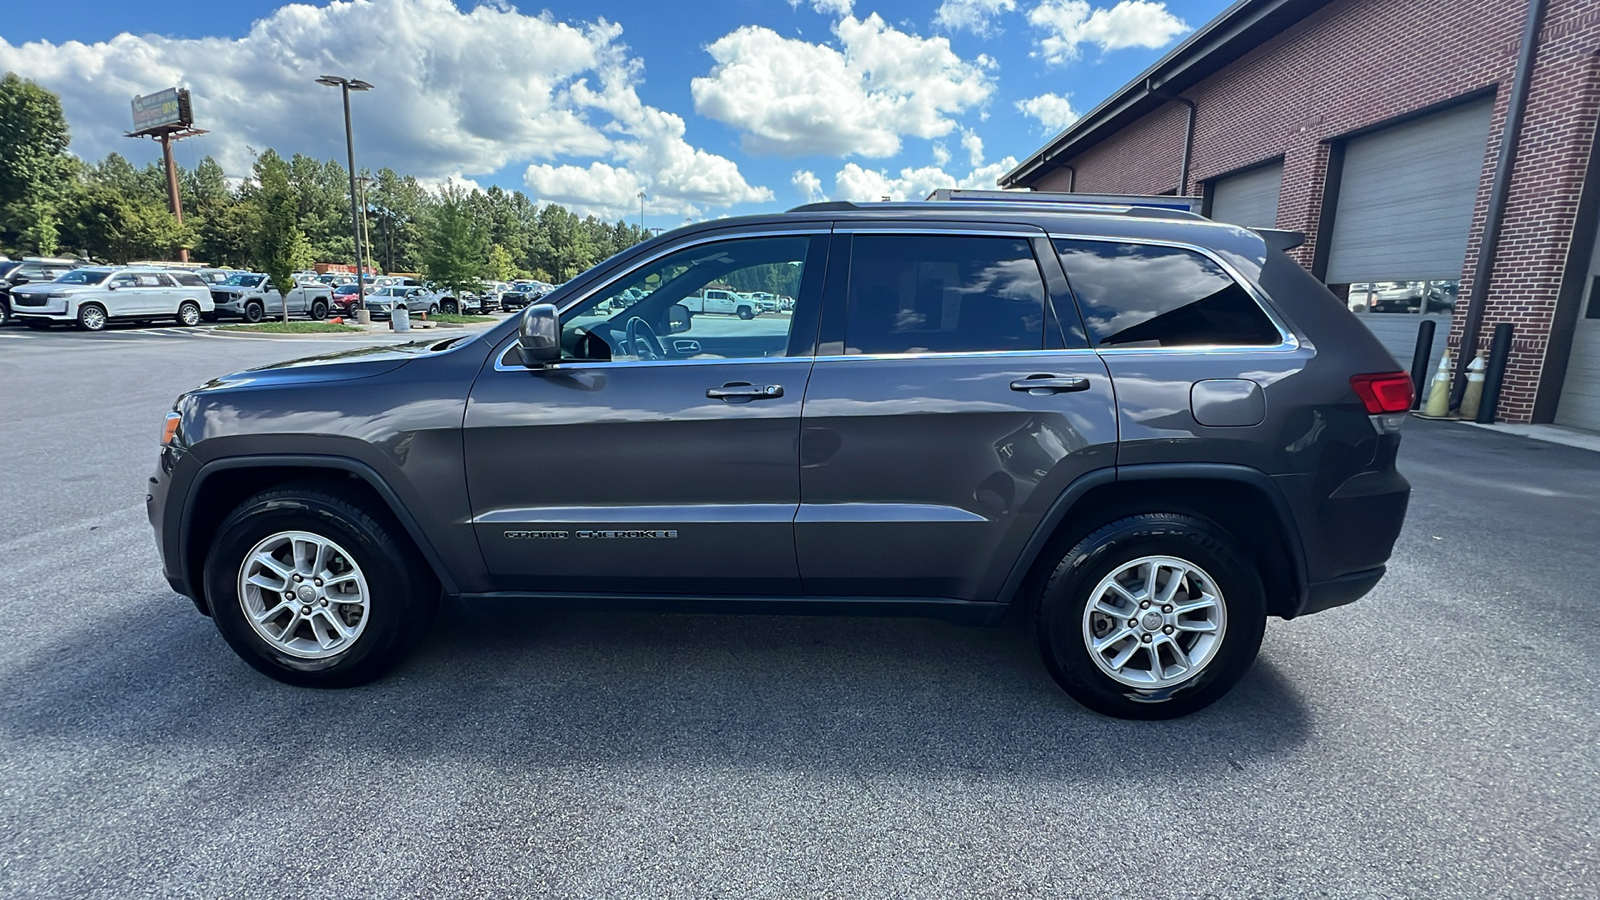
(1438, 738)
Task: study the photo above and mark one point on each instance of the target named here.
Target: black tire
(254, 312)
(450, 308)
(319, 310)
(1060, 615)
(433, 310)
(403, 593)
(188, 314)
(92, 317)
(746, 312)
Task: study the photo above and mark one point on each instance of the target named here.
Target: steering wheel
(642, 341)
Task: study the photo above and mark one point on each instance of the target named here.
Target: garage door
(1249, 198)
(1402, 219)
(1580, 392)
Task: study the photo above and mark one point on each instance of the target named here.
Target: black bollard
(1499, 352)
(1419, 360)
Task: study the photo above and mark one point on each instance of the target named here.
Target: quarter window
(1142, 295)
(943, 294)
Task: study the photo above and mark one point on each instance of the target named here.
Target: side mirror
(21, 280)
(678, 317)
(539, 337)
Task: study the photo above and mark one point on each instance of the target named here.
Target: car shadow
(513, 686)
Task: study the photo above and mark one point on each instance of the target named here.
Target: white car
(92, 296)
(251, 296)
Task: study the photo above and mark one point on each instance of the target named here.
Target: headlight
(60, 295)
(169, 428)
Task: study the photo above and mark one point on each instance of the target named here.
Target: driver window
(731, 299)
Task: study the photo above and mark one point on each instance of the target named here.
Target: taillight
(1388, 393)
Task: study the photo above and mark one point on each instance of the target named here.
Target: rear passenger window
(188, 280)
(1140, 295)
(943, 294)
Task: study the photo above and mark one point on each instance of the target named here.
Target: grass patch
(449, 319)
(292, 328)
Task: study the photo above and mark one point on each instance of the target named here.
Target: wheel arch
(221, 485)
(1243, 501)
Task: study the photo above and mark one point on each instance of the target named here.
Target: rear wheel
(254, 312)
(319, 310)
(1151, 617)
(312, 588)
(189, 314)
(92, 317)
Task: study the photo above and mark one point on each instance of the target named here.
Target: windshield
(6, 267)
(243, 280)
(83, 276)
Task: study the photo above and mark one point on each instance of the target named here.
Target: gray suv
(1144, 431)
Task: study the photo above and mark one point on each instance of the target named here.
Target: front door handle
(741, 392)
(1051, 384)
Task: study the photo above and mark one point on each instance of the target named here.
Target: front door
(948, 409)
(659, 456)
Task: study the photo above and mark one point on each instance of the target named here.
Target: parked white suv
(95, 295)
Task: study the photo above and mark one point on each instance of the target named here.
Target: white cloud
(854, 182)
(457, 93)
(679, 178)
(1131, 23)
(973, 145)
(973, 15)
(829, 7)
(1053, 112)
(809, 186)
(941, 154)
(792, 98)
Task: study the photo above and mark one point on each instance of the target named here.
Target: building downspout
(1188, 134)
(1499, 193)
(1072, 177)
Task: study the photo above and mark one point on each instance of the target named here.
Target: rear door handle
(740, 392)
(1051, 384)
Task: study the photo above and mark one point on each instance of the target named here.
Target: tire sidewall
(84, 318)
(381, 563)
(1061, 608)
(189, 314)
(254, 312)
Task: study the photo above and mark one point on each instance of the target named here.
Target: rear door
(948, 409)
(644, 464)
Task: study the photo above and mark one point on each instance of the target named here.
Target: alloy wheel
(1154, 622)
(303, 594)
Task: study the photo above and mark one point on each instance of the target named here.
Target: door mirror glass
(22, 280)
(677, 318)
(539, 337)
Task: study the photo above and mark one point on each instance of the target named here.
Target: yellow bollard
(1439, 394)
(1473, 395)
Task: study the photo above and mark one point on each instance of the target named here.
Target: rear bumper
(1340, 591)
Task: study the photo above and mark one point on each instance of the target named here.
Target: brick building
(1376, 128)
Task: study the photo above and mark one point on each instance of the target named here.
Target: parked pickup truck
(717, 300)
(250, 296)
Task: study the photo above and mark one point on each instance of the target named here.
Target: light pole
(346, 85)
(641, 210)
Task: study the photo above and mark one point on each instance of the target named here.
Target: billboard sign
(162, 109)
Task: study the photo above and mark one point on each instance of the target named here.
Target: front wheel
(746, 312)
(433, 310)
(254, 312)
(189, 314)
(311, 588)
(451, 308)
(91, 317)
(1151, 617)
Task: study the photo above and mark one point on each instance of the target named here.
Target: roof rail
(1166, 207)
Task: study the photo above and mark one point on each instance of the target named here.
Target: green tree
(107, 223)
(280, 244)
(502, 265)
(459, 250)
(36, 174)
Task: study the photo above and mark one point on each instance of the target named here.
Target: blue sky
(712, 108)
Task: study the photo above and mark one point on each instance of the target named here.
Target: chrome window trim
(1288, 340)
(500, 364)
(965, 354)
(950, 230)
